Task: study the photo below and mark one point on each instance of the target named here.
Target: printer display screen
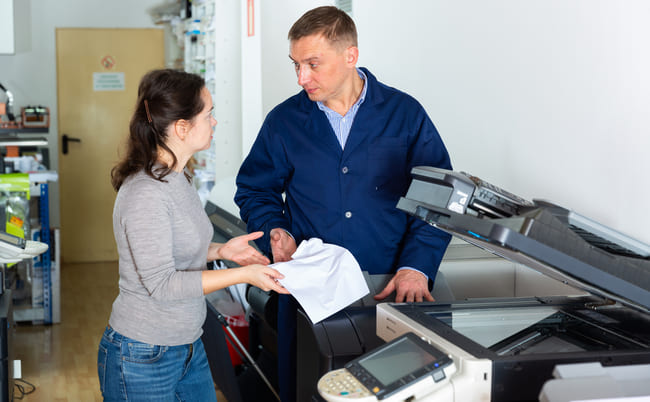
(400, 359)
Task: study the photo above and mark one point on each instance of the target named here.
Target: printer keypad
(342, 383)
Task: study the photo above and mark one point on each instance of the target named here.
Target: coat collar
(374, 94)
(317, 119)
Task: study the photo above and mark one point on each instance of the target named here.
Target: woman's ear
(181, 128)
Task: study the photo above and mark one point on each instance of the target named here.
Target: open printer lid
(546, 237)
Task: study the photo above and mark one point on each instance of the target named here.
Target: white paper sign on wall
(108, 81)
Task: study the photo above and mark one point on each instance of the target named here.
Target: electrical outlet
(17, 369)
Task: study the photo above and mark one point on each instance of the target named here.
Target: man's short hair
(334, 24)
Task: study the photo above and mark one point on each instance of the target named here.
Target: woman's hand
(238, 250)
(265, 278)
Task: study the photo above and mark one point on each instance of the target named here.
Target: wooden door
(98, 71)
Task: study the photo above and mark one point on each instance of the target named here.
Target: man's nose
(303, 76)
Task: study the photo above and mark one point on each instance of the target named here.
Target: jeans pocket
(102, 356)
(149, 372)
(137, 352)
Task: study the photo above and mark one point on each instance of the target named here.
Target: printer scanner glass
(390, 364)
(491, 325)
(512, 331)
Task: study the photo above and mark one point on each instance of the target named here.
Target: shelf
(12, 136)
(24, 130)
(23, 142)
(28, 314)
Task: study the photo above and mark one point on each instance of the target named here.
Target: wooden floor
(61, 359)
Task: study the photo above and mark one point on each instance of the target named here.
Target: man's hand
(282, 245)
(411, 286)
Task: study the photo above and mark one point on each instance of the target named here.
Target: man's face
(321, 67)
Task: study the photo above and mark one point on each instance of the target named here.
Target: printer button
(438, 375)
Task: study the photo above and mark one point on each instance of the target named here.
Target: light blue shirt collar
(342, 124)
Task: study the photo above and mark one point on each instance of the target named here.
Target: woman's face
(203, 124)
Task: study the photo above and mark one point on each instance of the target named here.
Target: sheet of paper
(324, 278)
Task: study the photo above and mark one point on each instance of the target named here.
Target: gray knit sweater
(162, 235)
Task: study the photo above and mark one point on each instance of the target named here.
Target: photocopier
(507, 349)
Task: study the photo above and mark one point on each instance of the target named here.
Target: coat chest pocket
(387, 165)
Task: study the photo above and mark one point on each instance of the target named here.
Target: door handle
(64, 143)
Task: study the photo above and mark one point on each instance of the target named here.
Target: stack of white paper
(324, 278)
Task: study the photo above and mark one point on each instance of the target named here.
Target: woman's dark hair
(333, 23)
(164, 96)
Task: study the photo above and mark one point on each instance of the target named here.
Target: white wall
(278, 76)
(14, 37)
(251, 67)
(547, 99)
(31, 75)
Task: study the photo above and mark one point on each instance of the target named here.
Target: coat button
(348, 214)
(344, 170)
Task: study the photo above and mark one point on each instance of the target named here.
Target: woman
(151, 350)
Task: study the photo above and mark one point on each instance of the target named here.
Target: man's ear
(352, 55)
(181, 128)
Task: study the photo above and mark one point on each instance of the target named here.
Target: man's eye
(313, 65)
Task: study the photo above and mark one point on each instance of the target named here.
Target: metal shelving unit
(49, 270)
(46, 261)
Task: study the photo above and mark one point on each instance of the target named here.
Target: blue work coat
(345, 196)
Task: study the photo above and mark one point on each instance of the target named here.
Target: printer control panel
(398, 370)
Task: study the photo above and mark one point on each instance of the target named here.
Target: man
(332, 161)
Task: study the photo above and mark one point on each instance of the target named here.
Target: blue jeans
(134, 371)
